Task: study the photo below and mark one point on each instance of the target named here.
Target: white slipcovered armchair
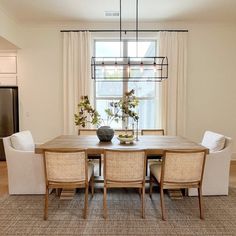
(216, 173)
(25, 168)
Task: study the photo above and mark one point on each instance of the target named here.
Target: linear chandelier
(137, 69)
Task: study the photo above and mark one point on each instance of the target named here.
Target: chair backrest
(183, 166)
(123, 165)
(214, 141)
(87, 131)
(228, 146)
(124, 131)
(22, 141)
(66, 166)
(152, 132)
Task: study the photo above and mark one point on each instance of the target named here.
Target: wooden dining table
(152, 144)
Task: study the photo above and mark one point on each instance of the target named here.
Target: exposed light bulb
(154, 67)
(141, 67)
(128, 68)
(103, 67)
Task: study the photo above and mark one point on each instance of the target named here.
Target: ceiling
(6, 45)
(44, 11)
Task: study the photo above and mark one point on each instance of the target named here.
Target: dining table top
(152, 144)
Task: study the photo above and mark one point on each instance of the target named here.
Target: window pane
(142, 49)
(108, 49)
(143, 89)
(147, 114)
(101, 105)
(109, 89)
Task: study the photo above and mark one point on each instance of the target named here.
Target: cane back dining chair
(124, 169)
(179, 169)
(93, 156)
(87, 131)
(159, 132)
(152, 132)
(67, 169)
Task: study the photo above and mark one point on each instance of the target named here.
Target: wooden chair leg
(86, 201)
(151, 185)
(105, 202)
(92, 184)
(58, 192)
(162, 203)
(100, 166)
(46, 204)
(147, 167)
(143, 201)
(200, 203)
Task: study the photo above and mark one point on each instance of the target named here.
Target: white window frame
(125, 83)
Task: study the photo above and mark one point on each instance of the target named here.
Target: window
(147, 92)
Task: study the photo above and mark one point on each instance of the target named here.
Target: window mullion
(125, 82)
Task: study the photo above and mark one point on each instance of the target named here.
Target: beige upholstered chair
(67, 169)
(179, 169)
(159, 132)
(124, 169)
(25, 168)
(94, 156)
(217, 167)
(152, 132)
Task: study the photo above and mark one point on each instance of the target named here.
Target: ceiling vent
(112, 13)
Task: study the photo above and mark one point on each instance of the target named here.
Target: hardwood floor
(4, 186)
(232, 175)
(3, 178)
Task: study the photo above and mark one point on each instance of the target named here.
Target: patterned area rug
(23, 215)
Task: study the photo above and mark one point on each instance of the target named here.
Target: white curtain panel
(173, 90)
(77, 80)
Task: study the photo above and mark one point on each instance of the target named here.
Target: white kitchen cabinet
(8, 65)
(8, 69)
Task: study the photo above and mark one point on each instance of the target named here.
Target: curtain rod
(125, 31)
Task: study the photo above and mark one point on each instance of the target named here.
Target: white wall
(211, 78)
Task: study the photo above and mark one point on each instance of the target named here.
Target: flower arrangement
(86, 113)
(123, 109)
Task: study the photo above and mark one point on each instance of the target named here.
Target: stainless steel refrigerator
(9, 114)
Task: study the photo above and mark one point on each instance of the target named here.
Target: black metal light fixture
(138, 69)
